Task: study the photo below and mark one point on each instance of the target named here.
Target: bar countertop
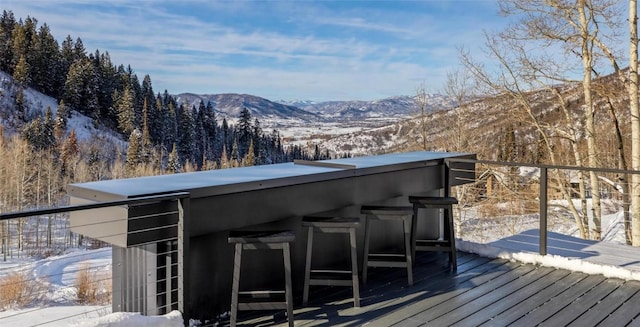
(223, 181)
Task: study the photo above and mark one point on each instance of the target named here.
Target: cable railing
(82, 279)
(507, 198)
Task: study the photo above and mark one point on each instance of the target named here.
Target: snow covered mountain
(393, 107)
(231, 104)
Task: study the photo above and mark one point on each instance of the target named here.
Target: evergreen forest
(40, 153)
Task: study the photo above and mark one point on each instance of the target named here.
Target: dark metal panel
(462, 172)
(152, 223)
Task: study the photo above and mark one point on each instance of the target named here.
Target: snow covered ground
(59, 305)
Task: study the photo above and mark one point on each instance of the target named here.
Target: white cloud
(275, 49)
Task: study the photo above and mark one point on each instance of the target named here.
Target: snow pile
(549, 260)
(129, 319)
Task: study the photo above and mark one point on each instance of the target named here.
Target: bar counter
(258, 197)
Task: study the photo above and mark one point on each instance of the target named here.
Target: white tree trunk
(635, 121)
(587, 63)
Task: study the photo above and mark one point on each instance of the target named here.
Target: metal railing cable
(543, 192)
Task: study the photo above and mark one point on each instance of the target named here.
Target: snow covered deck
(611, 259)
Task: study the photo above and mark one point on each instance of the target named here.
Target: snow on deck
(567, 252)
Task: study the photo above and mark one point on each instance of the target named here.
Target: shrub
(18, 290)
(93, 287)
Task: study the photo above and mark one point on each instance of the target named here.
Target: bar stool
(448, 241)
(345, 225)
(261, 300)
(395, 213)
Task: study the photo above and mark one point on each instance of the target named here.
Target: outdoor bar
(258, 197)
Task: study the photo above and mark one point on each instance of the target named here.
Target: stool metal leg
(365, 262)
(307, 267)
(408, 249)
(354, 267)
(288, 288)
(414, 228)
(452, 240)
(236, 284)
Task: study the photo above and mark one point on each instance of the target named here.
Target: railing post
(184, 305)
(543, 210)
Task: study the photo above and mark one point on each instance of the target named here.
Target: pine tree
(68, 155)
(133, 152)
(7, 23)
(235, 155)
(108, 82)
(21, 72)
(44, 66)
(224, 161)
(249, 159)
(79, 52)
(245, 130)
(146, 146)
(32, 133)
(74, 86)
(185, 134)
(21, 108)
(171, 125)
(95, 163)
(126, 111)
(173, 163)
(48, 137)
(19, 44)
(64, 64)
(200, 139)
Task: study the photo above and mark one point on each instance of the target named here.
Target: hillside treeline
(163, 136)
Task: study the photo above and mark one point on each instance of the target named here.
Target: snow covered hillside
(37, 104)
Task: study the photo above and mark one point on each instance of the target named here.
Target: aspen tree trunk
(421, 102)
(587, 63)
(635, 121)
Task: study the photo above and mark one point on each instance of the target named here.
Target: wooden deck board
(535, 300)
(514, 299)
(555, 304)
(489, 299)
(483, 292)
(446, 312)
(436, 290)
(582, 304)
(608, 304)
(624, 314)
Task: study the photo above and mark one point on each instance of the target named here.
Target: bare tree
(635, 120)
(421, 100)
(545, 42)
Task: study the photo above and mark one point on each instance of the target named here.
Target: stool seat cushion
(280, 236)
(433, 200)
(319, 221)
(386, 210)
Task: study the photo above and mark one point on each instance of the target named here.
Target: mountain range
(229, 105)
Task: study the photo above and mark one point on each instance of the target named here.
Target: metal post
(446, 183)
(543, 210)
(184, 305)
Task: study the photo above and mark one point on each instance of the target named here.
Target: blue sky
(291, 50)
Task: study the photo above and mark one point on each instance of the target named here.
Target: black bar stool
(396, 213)
(448, 241)
(261, 300)
(345, 225)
